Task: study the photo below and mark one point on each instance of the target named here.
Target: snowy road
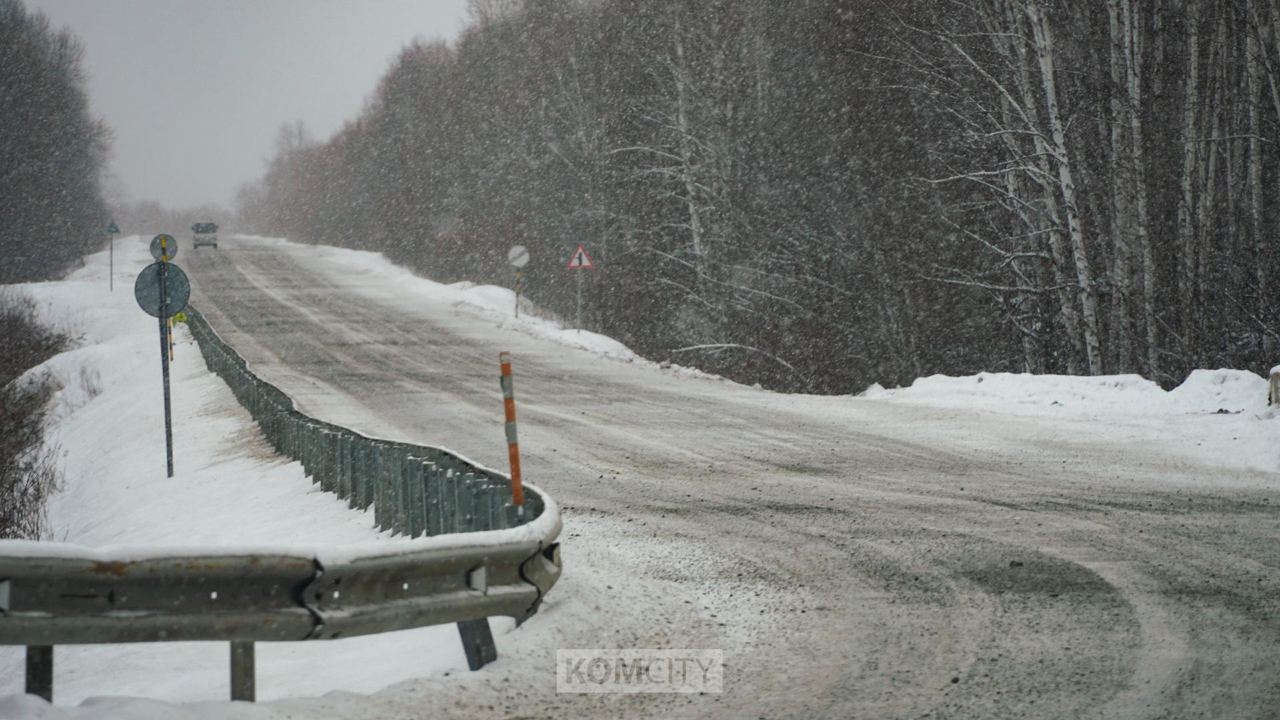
(852, 557)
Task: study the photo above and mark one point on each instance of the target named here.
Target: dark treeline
(51, 151)
(818, 194)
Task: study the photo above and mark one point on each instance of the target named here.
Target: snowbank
(1204, 391)
(1219, 418)
(398, 284)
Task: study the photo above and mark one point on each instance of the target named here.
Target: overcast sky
(195, 90)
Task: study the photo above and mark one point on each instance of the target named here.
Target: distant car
(204, 234)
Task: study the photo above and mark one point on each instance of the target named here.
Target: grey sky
(195, 90)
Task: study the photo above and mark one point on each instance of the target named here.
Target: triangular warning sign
(580, 260)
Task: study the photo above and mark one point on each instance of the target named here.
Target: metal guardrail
(56, 594)
(417, 490)
(492, 561)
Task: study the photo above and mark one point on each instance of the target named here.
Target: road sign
(164, 245)
(518, 256)
(147, 289)
(113, 229)
(580, 260)
(162, 290)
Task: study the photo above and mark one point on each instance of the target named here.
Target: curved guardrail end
(542, 571)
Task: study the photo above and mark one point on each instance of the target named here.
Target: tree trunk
(1067, 308)
(1122, 254)
(1032, 357)
(1075, 226)
(1208, 191)
(1187, 234)
(686, 155)
(1253, 77)
(1133, 52)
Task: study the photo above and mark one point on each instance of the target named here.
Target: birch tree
(824, 193)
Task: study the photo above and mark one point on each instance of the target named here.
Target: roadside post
(513, 446)
(112, 230)
(518, 256)
(477, 636)
(580, 260)
(162, 290)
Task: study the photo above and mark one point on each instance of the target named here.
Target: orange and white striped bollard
(513, 447)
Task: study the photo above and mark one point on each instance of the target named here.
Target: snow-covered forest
(818, 194)
(52, 151)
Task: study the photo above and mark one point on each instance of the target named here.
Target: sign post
(112, 229)
(580, 261)
(162, 290)
(518, 256)
(164, 365)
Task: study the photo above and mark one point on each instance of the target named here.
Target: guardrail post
(477, 642)
(365, 479)
(242, 671)
(391, 462)
(329, 462)
(40, 671)
(410, 466)
(307, 453)
(356, 474)
(449, 502)
(1273, 394)
(466, 499)
(379, 489)
(344, 468)
(319, 451)
(497, 518)
(431, 500)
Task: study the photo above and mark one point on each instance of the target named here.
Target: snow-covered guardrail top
(56, 593)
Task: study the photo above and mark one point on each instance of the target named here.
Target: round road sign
(518, 256)
(170, 247)
(147, 289)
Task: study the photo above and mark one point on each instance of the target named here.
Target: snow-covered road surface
(852, 557)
